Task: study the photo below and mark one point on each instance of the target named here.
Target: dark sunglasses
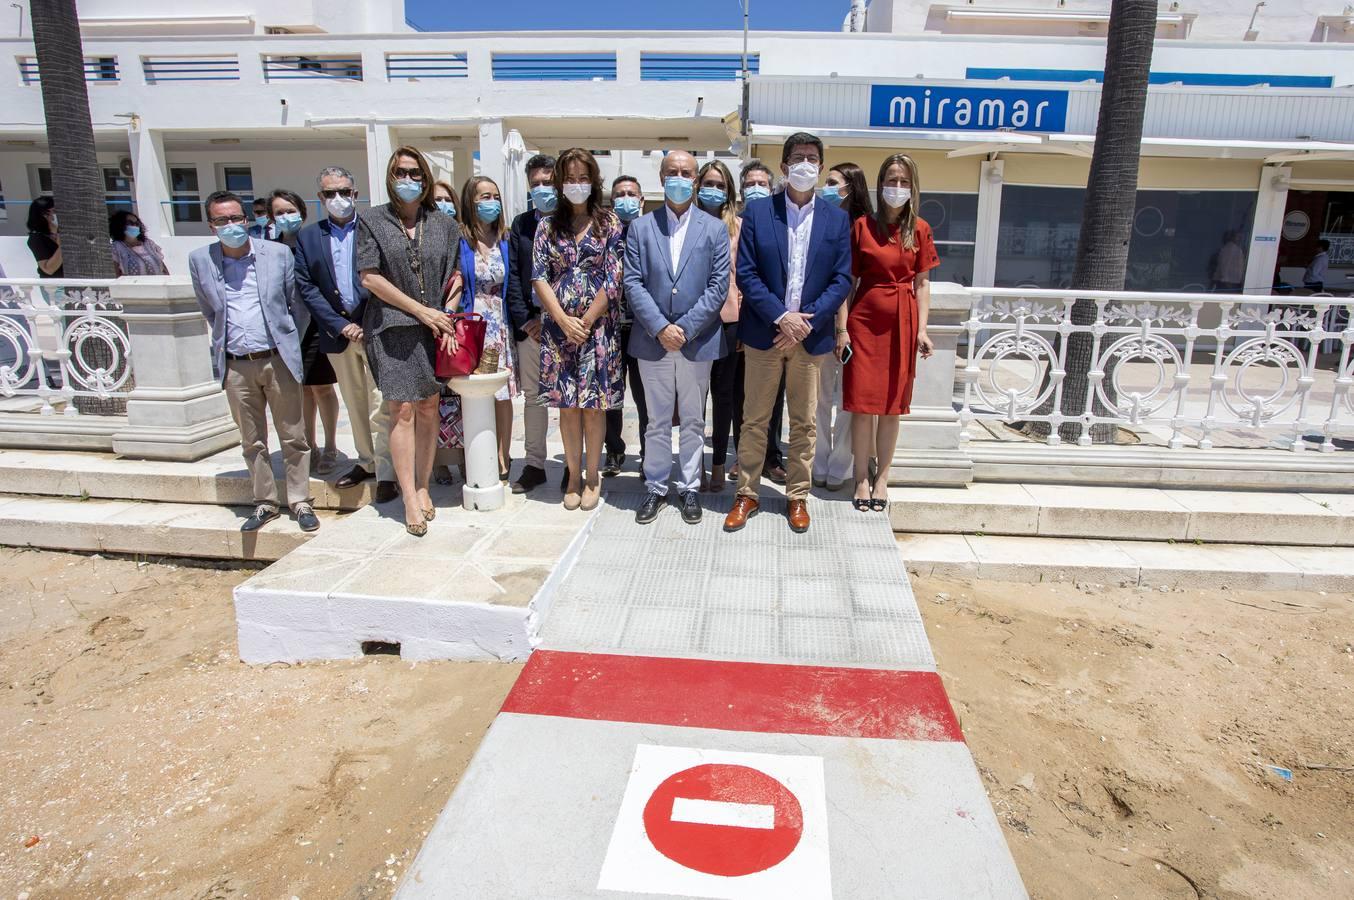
(340, 192)
(415, 174)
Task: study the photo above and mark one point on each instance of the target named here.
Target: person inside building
(247, 291)
(262, 228)
(1314, 278)
(717, 196)
(627, 199)
(407, 252)
(1229, 265)
(444, 198)
(526, 320)
(676, 277)
(576, 268)
(490, 285)
(134, 253)
(790, 301)
(892, 253)
(331, 287)
(44, 240)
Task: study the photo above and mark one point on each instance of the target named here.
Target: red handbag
(470, 332)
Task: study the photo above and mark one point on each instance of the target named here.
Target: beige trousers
(254, 388)
(535, 418)
(367, 415)
(761, 383)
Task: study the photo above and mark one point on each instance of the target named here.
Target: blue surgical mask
(408, 190)
(712, 198)
(544, 198)
(755, 192)
(288, 223)
(261, 221)
(678, 189)
(489, 210)
(233, 236)
(447, 207)
(832, 194)
(627, 208)
(132, 231)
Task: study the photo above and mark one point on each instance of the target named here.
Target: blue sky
(518, 15)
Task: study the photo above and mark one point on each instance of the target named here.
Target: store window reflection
(954, 225)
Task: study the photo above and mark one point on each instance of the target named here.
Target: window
(954, 225)
(1037, 237)
(117, 188)
(239, 180)
(185, 196)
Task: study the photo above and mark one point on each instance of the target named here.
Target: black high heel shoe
(861, 505)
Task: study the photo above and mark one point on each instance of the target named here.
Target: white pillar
(1270, 203)
(462, 164)
(151, 180)
(491, 149)
(483, 490)
(989, 223)
(379, 147)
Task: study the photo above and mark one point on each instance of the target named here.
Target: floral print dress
(490, 271)
(588, 375)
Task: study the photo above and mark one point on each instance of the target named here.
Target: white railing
(64, 343)
(1186, 365)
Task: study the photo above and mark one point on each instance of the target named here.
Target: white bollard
(482, 489)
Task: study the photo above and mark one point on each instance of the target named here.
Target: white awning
(960, 143)
(1270, 151)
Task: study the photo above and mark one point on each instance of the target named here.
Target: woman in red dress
(891, 254)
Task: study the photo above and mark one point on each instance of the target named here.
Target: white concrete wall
(105, 17)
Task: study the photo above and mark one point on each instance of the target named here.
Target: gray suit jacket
(691, 299)
(275, 272)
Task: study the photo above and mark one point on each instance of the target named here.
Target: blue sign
(967, 109)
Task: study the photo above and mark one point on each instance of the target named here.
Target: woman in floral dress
(576, 271)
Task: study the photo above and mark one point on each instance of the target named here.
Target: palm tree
(1111, 194)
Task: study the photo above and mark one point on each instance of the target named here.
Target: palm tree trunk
(1111, 195)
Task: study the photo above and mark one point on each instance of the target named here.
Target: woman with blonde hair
(717, 196)
(444, 198)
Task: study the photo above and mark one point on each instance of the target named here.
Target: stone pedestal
(177, 411)
(928, 451)
(482, 490)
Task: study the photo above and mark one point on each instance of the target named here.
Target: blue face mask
(489, 210)
(678, 189)
(755, 192)
(408, 190)
(288, 223)
(261, 221)
(544, 198)
(447, 207)
(132, 231)
(832, 194)
(233, 236)
(627, 208)
(712, 198)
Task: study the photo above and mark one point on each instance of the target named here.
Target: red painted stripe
(736, 696)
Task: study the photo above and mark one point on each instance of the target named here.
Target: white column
(151, 180)
(379, 147)
(1270, 203)
(989, 222)
(483, 489)
(491, 149)
(462, 164)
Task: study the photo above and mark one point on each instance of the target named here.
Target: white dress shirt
(677, 226)
(1317, 269)
(246, 329)
(800, 223)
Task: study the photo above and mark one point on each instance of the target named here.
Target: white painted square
(634, 864)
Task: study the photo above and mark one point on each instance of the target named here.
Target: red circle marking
(728, 850)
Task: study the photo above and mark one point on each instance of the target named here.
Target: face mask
(339, 207)
(408, 190)
(261, 221)
(832, 194)
(677, 189)
(53, 220)
(577, 193)
(489, 210)
(288, 223)
(803, 176)
(132, 231)
(627, 208)
(712, 197)
(233, 236)
(544, 198)
(755, 192)
(447, 207)
(896, 196)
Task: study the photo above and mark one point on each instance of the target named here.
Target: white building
(1249, 132)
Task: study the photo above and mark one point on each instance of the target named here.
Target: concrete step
(203, 531)
(1134, 514)
(1146, 563)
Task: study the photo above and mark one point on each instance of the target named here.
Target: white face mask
(803, 176)
(339, 207)
(896, 196)
(577, 193)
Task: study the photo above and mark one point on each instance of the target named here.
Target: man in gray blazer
(246, 288)
(676, 278)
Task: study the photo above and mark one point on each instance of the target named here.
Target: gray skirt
(402, 360)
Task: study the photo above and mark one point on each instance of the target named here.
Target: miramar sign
(967, 109)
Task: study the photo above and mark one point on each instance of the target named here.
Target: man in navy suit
(331, 288)
(794, 269)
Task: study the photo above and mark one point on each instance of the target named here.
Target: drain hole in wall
(380, 648)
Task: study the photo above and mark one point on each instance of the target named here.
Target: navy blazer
(512, 282)
(763, 260)
(522, 237)
(315, 280)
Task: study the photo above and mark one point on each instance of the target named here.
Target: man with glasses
(526, 322)
(331, 287)
(794, 269)
(247, 289)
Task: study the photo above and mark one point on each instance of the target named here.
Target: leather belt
(262, 354)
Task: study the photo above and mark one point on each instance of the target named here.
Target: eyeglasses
(801, 158)
(340, 192)
(416, 174)
(226, 220)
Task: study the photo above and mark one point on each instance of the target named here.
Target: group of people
(754, 302)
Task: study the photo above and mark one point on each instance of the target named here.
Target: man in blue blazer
(247, 290)
(794, 269)
(676, 275)
(331, 288)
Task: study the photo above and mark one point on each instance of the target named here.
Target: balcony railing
(160, 69)
(286, 68)
(426, 65)
(554, 66)
(1189, 367)
(695, 67)
(98, 69)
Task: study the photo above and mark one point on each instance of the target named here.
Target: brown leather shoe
(798, 515)
(744, 508)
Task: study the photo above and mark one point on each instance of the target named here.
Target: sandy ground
(1120, 733)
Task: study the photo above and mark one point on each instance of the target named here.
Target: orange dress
(882, 324)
